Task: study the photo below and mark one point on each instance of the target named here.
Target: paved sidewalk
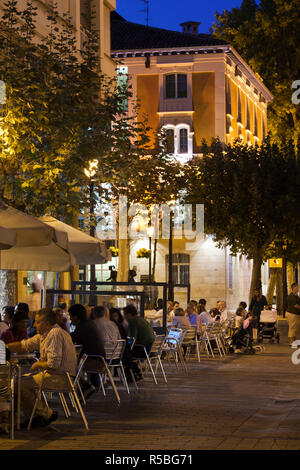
(239, 402)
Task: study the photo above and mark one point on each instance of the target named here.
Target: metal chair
(70, 390)
(205, 339)
(114, 351)
(153, 355)
(7, 391)
(172, 346)
(213, 332)
(189, 340)
(102, 369)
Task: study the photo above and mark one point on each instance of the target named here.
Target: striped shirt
(56, 347)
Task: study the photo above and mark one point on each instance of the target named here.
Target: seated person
(116, 316)
(88, 336)
(180, 320)
(206, 317)
(215, 314)
(18, 329)
(7, 314)
(107, 328)
(143, 333)
(240, 315)
(57, 356)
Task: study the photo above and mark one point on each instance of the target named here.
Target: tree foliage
(250, 195)
(61, 112)
(266, 35)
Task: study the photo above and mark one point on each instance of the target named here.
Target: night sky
(169, 14)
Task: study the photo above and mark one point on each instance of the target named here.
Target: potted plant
(143, 253)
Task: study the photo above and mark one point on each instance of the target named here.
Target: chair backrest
(2, 353)
(190, 335)
(114, 350)
(5, 381)
(175, 336)
(157, 344)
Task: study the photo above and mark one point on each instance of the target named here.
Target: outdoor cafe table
(18, 360)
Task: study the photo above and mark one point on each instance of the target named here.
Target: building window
(170, 136)
(228, 96)
(181, 268)
(122, 77)
(263, 128)
(255, 123)
(179, 141)
(183, 141)
(176, 86)
(247, 115)
(239, 116)
(230, 273)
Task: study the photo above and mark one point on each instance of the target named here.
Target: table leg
(19, 397)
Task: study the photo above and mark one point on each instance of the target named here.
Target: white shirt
(225, 315)
(56, 347)
(108, 329)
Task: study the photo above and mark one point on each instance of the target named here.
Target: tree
(60, 113)
(249, 196)
(266, 36)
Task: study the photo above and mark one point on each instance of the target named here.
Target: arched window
(179, 141)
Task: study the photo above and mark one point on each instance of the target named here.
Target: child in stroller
(268, 325)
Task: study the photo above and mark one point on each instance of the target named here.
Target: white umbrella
(34, 244)
(84, 248)
(37, 258)
(8, 238)
(30, 231)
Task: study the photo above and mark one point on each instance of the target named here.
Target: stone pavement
(239, 402)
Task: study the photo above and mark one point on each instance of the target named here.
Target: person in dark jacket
(87, 335)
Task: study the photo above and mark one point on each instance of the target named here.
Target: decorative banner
(275, 263)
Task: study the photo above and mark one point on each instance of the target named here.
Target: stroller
(268, 326)
(243, 341)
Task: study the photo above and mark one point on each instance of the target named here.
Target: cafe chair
(70, 390)
(7, 391)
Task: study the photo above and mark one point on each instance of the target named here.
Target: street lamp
(150, 232)
(90, 173)
(170, 266)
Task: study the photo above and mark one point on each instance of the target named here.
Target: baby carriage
(268, 326)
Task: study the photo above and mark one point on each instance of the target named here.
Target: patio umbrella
(29, 230)
(84, 248)
(34, 247)
(8, 238)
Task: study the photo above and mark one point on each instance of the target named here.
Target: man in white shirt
(57, 356)
(225, 314)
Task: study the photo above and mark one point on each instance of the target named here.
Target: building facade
(77, 11)
(195, 87)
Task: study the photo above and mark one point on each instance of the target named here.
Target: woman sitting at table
(18, 328)
(180, 320)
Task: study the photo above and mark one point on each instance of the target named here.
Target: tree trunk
(123, 265)
(279, 299)
(290, 275)
(256, 273)
(9, 288)
(271, 285)
(154, 259)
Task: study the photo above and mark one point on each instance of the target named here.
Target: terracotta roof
(131, 36)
